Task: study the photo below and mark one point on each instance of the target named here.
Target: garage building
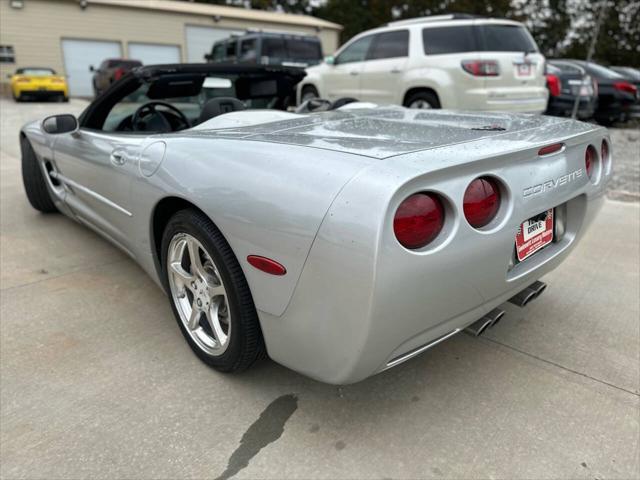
(72, 35)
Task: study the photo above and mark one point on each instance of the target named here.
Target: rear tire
(309, 92)
(33, 179)
(233, 341)
(422, 100)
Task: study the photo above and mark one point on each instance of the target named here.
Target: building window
(6, 54)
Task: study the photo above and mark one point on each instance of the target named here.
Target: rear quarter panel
(267, 199)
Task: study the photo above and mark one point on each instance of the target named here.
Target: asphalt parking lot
(96, 380)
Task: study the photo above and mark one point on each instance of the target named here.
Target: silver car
(340, 243)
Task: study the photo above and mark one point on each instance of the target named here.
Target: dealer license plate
(534, 234)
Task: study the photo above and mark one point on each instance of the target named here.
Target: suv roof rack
(435, 18)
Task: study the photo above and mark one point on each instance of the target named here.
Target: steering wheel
(158, 123)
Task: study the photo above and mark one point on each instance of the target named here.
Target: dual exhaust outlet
(521, 299)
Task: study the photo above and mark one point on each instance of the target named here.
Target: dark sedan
(633, 75)
(566, 83)
(617, 96)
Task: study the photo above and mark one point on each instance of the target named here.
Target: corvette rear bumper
(363, 302)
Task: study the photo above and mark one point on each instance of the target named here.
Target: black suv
(263, 48)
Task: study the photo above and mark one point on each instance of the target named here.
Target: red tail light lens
(553, 84)
(481, 68)
(625, 87)
(481, 201)
(418, 220)
(590, 160)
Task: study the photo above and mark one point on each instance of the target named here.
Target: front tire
(33, 179)
(209, 294)
(422, 100)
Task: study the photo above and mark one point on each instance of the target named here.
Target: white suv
(447, 61)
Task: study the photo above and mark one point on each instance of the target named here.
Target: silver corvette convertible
(339, 242)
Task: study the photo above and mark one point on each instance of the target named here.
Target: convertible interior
(176, 97)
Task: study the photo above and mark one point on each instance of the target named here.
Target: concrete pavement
(96, 380)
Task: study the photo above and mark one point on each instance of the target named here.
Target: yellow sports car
(37, 82)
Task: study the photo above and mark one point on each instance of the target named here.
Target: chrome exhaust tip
(478, 327)
(538, 287)
(530, 293)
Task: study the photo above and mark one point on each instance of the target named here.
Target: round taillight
(590, 160)
(418, 220)
(481, 201)
(604, 152)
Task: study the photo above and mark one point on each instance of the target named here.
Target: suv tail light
(590, 160)
(553, 84)
(418, 220)
(118, 73)
(481, 201)
(625, 87)
(481, 68)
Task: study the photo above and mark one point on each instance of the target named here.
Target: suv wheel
(309, 92)
(422, 100)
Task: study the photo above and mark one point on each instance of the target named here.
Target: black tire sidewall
(192, 223)
(33, 179)
(428, 97)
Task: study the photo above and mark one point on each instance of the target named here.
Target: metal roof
(234, 13)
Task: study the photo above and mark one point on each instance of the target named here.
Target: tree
(618, 41)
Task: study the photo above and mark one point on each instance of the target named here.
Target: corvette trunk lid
(378, 133)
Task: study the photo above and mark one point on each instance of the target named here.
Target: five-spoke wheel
(209, 293)
(199, 293)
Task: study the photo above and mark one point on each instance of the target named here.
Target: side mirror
(9, 76)
(329, 60)
(56, 124)
(92, 68)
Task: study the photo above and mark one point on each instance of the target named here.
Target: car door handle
(118, 158)
(396, 70)
(354, 72)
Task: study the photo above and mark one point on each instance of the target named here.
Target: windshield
(36, 72)
(259, 93)
(507, 38)
(603, 72)
(467, 38)
(281, 49)
(123, 63)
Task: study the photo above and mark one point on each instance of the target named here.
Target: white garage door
(79, 55)
(201, 39)
(154, 53)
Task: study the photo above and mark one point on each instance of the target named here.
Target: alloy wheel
(199, 294)
(422, 104)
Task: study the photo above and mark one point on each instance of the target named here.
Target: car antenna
(592, 47)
